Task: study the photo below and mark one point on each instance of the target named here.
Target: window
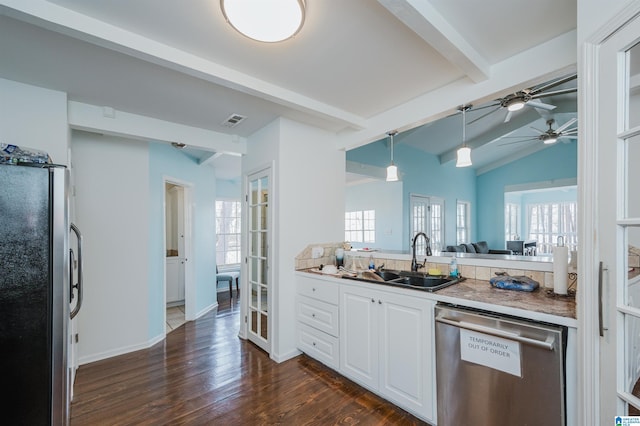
(227, 232)
(511, 221)
(462, 222)
(427, 216)
(360, 226)
(549, 221)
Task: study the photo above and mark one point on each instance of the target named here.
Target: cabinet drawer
(318, 314)
(319, 345)
(325, 291)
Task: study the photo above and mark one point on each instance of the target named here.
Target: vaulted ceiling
(357, 68)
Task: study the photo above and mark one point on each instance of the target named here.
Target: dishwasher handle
(547, 344)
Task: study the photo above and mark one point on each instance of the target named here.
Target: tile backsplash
(305, 260)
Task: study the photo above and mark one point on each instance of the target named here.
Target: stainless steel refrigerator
(36, 291)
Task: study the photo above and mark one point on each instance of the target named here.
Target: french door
(427, 215)
(617, 160)
(258, 259)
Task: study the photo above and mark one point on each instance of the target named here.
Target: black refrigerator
(36, 291)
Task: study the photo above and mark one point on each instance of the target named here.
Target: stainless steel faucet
(414, 263)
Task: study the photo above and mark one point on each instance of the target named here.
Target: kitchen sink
(413, 280)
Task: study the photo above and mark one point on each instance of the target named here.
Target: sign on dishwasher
(490, 351)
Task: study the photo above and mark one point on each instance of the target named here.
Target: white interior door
(618, 221)
(259, 259)
(427, 215)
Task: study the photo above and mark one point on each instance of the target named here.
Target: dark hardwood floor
(203, 374)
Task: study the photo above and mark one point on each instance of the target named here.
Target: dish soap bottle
(372, 265)
(453, 267)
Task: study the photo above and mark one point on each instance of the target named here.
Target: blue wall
(166, 161)
(421, 173)
(559, 161)
(228, 189)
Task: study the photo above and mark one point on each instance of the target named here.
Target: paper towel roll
(560, 263)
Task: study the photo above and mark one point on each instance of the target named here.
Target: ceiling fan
(528, 97)
(550, 136)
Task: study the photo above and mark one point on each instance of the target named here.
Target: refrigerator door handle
(78, 286)
(72, 261)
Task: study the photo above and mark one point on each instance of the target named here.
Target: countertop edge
(498, 308)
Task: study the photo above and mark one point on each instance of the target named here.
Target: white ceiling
(357, 68)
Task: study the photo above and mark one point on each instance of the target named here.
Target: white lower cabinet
(386, 345)
(317, 315)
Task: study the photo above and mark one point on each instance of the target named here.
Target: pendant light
(392, 170)
(269, 21)
(464, 152)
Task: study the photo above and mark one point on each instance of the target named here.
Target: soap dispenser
(372, 265)
(453, 267)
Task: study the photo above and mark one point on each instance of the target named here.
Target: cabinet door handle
(379, 302)
(313, 315)
(373, 300)
(313, 289)
(314, 343)
(601, 268)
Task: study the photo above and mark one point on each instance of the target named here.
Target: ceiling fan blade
(540, 105)
(515, 142)
(485, 106)
(554, 93)
(484, 115)
(542, 132)
(553, 84)
(508, 117)
(566, 125)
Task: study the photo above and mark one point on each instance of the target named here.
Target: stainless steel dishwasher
(498, 370)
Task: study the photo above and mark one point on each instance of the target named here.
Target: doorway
(177, 246)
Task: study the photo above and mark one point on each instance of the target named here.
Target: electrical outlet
(316, 252)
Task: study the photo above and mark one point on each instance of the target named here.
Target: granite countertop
(483, 296)
(537, 300)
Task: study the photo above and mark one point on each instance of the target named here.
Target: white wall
(112, 187)
(309, 193)
(34, 117)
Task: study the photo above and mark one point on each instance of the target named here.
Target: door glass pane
(264, 185)
(255, 246)
(254, 192)
(254, 295)
(632, 355)
(633, 115)
(254, 321)
(264, 272)
(632, 261)
(263, 300)
(632, 178)
(263, 326)
(263, 218)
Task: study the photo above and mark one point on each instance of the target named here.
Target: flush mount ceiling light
(392, 170)
(463, 153)
(270, 21)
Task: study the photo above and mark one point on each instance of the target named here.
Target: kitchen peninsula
(383, 336)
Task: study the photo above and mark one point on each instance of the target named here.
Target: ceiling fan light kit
(392, 170)
(515, 104)
(268, 21)
(463, 155)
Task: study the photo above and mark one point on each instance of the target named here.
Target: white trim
(189, 282)
(588, 398)
(555, 183)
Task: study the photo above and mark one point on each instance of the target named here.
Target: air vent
(233, 120)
